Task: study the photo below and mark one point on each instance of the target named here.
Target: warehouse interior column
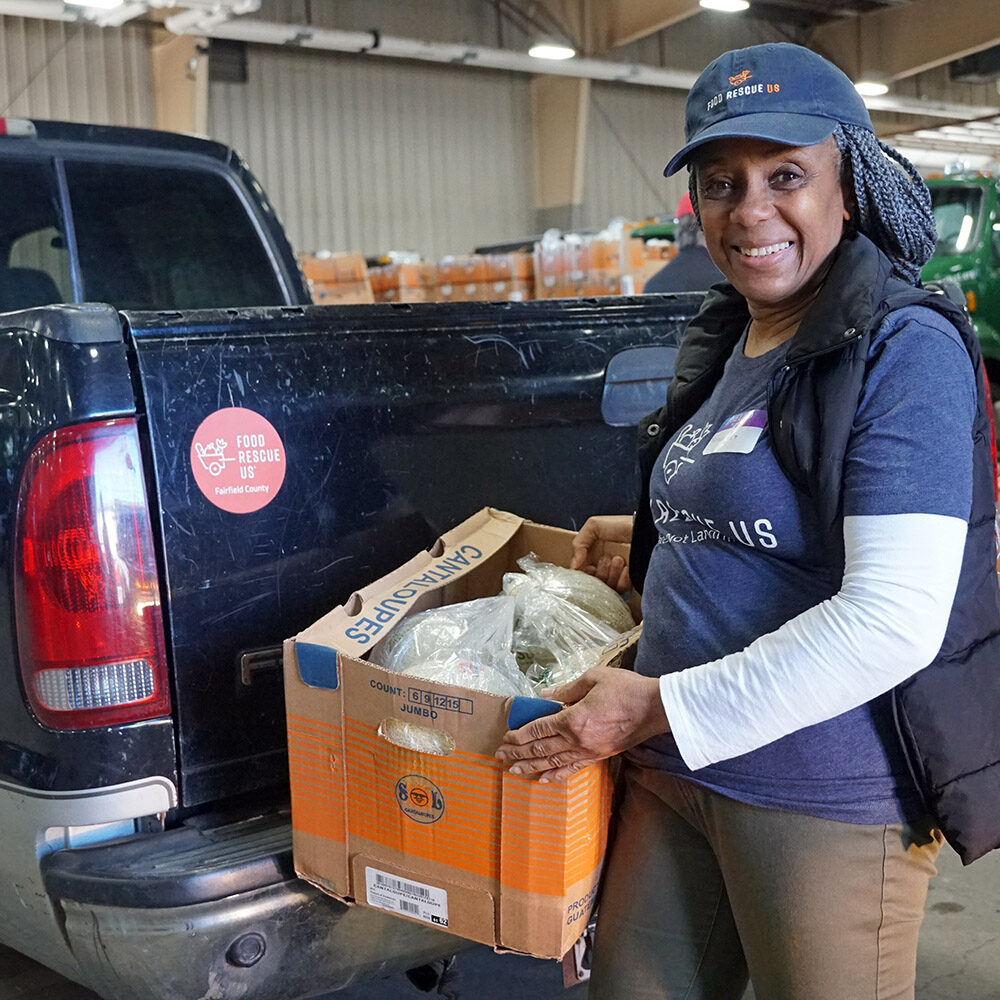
(180, 82)
(559, 107)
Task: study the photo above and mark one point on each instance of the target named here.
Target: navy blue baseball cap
(777, 91)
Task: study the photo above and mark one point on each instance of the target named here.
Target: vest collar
(850, 300)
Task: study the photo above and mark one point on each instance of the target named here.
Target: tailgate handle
(636, 384)
(259, 661)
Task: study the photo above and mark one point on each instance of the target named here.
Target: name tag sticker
(739, 433)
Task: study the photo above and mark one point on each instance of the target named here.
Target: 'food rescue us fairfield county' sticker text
(238, 460)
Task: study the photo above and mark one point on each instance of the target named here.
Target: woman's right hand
(587, 556)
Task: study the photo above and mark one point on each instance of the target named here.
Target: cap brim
(788, 129)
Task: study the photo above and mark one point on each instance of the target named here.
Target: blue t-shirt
(740, 553)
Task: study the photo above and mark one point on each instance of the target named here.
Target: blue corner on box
(525, 710)
(317, 665)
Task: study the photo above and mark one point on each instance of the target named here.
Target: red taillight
(90, 632)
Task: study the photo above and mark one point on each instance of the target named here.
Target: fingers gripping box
(454, 840)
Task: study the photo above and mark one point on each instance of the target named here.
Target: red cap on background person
(684, 207)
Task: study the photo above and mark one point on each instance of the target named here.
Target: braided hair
(893, 203)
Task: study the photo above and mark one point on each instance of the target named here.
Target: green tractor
(967, 212)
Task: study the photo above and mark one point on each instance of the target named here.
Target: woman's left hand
(608, 710)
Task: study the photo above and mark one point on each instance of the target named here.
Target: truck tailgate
(300, 453)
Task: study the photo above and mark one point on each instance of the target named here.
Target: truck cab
(967, 213)
(135, 218)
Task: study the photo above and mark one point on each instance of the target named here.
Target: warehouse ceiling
(939, 58)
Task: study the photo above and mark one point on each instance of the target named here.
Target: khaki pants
(702, 892)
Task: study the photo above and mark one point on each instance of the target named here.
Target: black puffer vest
(948, 714)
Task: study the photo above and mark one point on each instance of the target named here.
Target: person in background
(691, 269)
(816, 684)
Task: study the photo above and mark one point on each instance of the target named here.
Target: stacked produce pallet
(494, 277)
(337, 278)
(404, 281)
(562, 265)
(575, 265)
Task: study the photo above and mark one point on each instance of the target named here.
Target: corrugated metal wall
(632, 133)
(375, 154)
(70, 71)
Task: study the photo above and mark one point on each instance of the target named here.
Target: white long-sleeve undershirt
(885, 623)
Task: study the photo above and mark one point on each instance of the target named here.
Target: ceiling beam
(899, 41)
(931, 108)
(618, 22)
(949, 144)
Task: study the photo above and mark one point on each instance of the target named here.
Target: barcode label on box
(407, 897)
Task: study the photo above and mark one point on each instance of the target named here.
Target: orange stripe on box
(313, 763)
(310, 729)
(537, 863)
(453, 823)
(392, 756)
(324, 821)
(532, 871)
(481, 804)
(576, 823)
(309, 772)
(319, 826)
(476, 790)
(380, 797)
(310, 721)
(554, 836)
(316, 793)
(318, 790)
(361, 732)
(315, 751)
(467, 835)
(458, 850)
(315, 783)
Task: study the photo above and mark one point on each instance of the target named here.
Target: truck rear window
(34, 263)
(166, 238)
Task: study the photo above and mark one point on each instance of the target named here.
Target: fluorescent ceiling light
(730, 6)
(871, 88)
(95, 4)
(551, 50)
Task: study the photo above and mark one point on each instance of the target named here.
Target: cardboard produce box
(337, 278)
(454, 841)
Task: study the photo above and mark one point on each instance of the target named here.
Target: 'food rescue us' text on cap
(776, 91)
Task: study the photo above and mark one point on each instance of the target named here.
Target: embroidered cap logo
(735, 81)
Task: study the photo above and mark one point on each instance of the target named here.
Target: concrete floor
(959, 955)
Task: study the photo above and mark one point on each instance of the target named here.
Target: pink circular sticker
(238, 460)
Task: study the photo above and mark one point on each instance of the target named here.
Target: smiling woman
(773, 216)
(817, 499)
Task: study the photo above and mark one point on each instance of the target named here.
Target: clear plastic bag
(547, 627)
(555, 640)
(468, 644)
(412, 736)
(585, 591)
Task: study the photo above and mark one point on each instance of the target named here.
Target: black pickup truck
(195, 462)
